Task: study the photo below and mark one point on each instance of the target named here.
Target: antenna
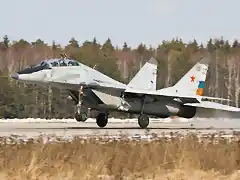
(64, 56)
(94, 66)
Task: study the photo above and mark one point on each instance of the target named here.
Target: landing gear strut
(102, 119)
(80, 115)
(143, 119)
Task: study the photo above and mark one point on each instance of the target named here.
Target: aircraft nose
(15, 76)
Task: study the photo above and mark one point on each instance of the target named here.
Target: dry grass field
(175, 158)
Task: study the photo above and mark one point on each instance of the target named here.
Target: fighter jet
(92, 89)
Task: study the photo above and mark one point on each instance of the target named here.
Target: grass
(174, 158)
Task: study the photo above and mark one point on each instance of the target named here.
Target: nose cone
(15, 76)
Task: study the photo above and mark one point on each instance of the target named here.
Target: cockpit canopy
(57, 62)
(48, 64)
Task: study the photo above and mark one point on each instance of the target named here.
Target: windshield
(32, 65)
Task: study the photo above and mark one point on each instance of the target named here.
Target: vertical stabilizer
(146, 77)
(192, 83)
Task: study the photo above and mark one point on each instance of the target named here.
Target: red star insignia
(192, 78)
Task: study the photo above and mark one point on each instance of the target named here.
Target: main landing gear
(102, 119)
(143, 120)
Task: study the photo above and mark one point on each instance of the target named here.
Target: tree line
(174, 58)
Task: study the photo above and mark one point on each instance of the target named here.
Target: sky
(133, 21)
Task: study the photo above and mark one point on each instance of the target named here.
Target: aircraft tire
(81, 117)
(143, 120)
(102, 120)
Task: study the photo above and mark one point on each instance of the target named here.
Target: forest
(175, 57)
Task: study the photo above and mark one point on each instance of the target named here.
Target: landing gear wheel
(102, 120)
(82, 117)
(143, 120)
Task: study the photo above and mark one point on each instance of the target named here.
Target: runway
(68, 128)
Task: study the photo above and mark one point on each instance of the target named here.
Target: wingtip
(153, 61)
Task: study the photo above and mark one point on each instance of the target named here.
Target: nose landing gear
(81, 117)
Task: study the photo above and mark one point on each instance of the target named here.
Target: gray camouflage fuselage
(103, 93)
(100, 91)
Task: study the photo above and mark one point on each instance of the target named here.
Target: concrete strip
(129, 128)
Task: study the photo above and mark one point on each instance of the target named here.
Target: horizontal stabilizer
(213, 105)
(214, 98)
(146, 77)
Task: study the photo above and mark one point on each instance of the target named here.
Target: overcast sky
(133, 21)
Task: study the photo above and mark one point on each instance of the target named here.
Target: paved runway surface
(69, 128)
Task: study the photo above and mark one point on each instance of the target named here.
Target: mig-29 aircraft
(96, 91)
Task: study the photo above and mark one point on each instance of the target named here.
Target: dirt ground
(175, 158)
